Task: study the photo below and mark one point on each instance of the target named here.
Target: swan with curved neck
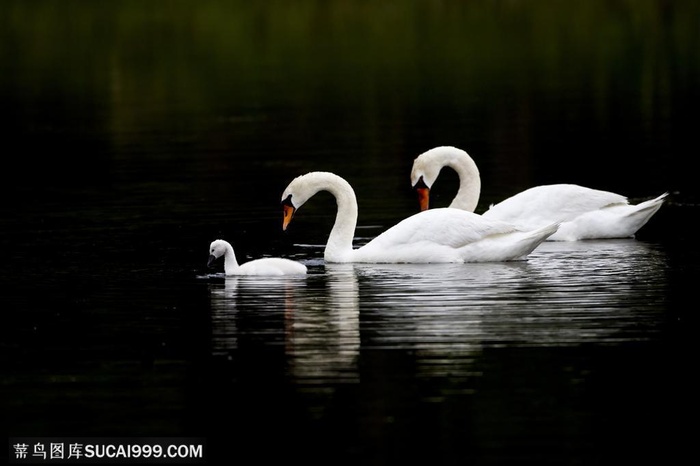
(264, 266)
(583, 213)
(427, 167)
(438, 235)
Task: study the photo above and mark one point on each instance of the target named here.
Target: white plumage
(265, 266)
(438, 235)
(583, 213)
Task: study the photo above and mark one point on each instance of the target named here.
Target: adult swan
(438, 235)
(583, 213)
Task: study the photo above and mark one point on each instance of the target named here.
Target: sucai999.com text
(92, 450)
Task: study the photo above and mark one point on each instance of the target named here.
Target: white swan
(265, 266)
(438, 235)
(583, 213)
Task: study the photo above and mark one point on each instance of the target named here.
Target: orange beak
(288, 214)
(423, 197)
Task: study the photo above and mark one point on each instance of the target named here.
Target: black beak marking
(420, 184)
(211, 261)
(287, 201)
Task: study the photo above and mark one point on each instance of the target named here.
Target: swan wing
(451, 227)
(437, 235)
(271, 266)
(552, 203)
(614, 221)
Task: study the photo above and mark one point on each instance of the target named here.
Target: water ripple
(598, 292)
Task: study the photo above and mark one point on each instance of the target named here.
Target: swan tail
(652, 205)
(546, 231)
(643, 211)
(634, 217)
(511, 246)
(534, 238)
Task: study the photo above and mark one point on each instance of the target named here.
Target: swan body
(265, 266)
(438, 235)
(583, 213)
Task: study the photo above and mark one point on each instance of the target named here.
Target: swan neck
(230, 262)
(467, 196)
(339, 246)
(301, 189)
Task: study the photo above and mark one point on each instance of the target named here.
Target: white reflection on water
(320, 333)
(324, 340)
(566, 294)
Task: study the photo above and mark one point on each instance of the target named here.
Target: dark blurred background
(133, 133)
(599, 93)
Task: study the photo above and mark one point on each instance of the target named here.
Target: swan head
(300, 190)
(216, 250)
(288, 210)
(423, 174)
(427, 166)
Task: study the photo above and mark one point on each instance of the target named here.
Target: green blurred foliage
(202, 54)
(500, 74)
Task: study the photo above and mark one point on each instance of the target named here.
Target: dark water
(135, 133)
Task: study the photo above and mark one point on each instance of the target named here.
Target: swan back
(271, 266)
(584, 213)
(556, 202)
(451, 235)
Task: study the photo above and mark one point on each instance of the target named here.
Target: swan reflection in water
(320, 333)
(565, 294)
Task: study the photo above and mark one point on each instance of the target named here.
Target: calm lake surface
(135, 133)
